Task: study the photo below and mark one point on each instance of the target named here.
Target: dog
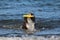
(29, 23)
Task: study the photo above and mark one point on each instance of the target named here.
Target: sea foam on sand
(31, 38)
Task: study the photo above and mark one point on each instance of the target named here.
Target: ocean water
(47, 12)
(13, 9)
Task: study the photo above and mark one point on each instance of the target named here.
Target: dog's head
(29, 16)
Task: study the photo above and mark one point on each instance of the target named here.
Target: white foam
(31, 38)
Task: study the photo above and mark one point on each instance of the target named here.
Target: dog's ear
(25, 19)
(33, 18)
(31, 13)
(24, 26)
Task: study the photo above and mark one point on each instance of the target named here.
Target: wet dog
(29, 23)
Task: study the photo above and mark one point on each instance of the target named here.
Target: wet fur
(25, 21)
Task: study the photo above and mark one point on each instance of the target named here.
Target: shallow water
(19, 33)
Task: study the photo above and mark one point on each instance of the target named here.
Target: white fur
(30, 25)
